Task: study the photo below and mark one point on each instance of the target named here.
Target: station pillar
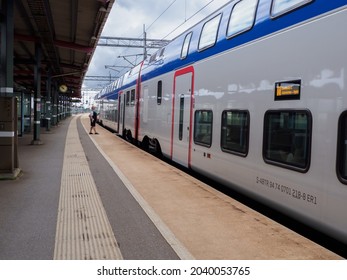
(54, 104)
(9, 168)
(37, 97)
(48, 103)
(8, 104)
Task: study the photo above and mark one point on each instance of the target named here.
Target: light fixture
(63, 88)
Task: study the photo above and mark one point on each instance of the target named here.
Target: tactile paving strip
(83, 230)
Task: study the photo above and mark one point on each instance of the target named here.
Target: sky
(163, 19)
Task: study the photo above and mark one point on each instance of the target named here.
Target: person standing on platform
(93, 116)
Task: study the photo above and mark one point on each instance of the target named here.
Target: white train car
(106, 102)
(129, 104)
(255, 97)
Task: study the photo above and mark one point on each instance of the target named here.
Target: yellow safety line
(83, 229)
(175, 244)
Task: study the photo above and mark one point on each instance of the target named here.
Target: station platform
(83, 196)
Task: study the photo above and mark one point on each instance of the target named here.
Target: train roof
(264, 23)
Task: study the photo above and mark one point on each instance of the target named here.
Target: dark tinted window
(287, 138)
(159, 92)
(132, 100)
(127, 98)
(180, 123)
(203, 127)
(235, 131)
(342, 149)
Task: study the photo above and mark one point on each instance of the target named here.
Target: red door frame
(189, 69)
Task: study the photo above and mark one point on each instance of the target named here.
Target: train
(254, 96)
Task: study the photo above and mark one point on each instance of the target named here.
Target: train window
(120, 81)
(132, 99)
(153, 57)
(341, 163)
(242, 17)
(208, 36)
(127, 98)
(162, 51)
(180, 123)
(287, 139)
(235, 132)
(203, 127)
(185, 46)
(159, 92)
(280, 7)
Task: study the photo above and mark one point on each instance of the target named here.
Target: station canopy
(64, 32)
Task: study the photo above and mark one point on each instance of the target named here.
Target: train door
(181, 131)
(121, 112)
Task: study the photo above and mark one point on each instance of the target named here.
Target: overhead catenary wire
(176, 28)
(171, 6)
(188, 19)
(173, 2)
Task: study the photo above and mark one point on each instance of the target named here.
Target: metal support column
(8, 138)
(37, 96)
(7, 36)
(55, 104)
(48, 102)
(63, 107)
(59, 108)
(8, 114)
(69, 103)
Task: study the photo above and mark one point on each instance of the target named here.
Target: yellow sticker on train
(287, 90)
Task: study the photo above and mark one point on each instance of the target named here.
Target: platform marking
(175, 244)
(83, 229)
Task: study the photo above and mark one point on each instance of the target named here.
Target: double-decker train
(255, 97)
